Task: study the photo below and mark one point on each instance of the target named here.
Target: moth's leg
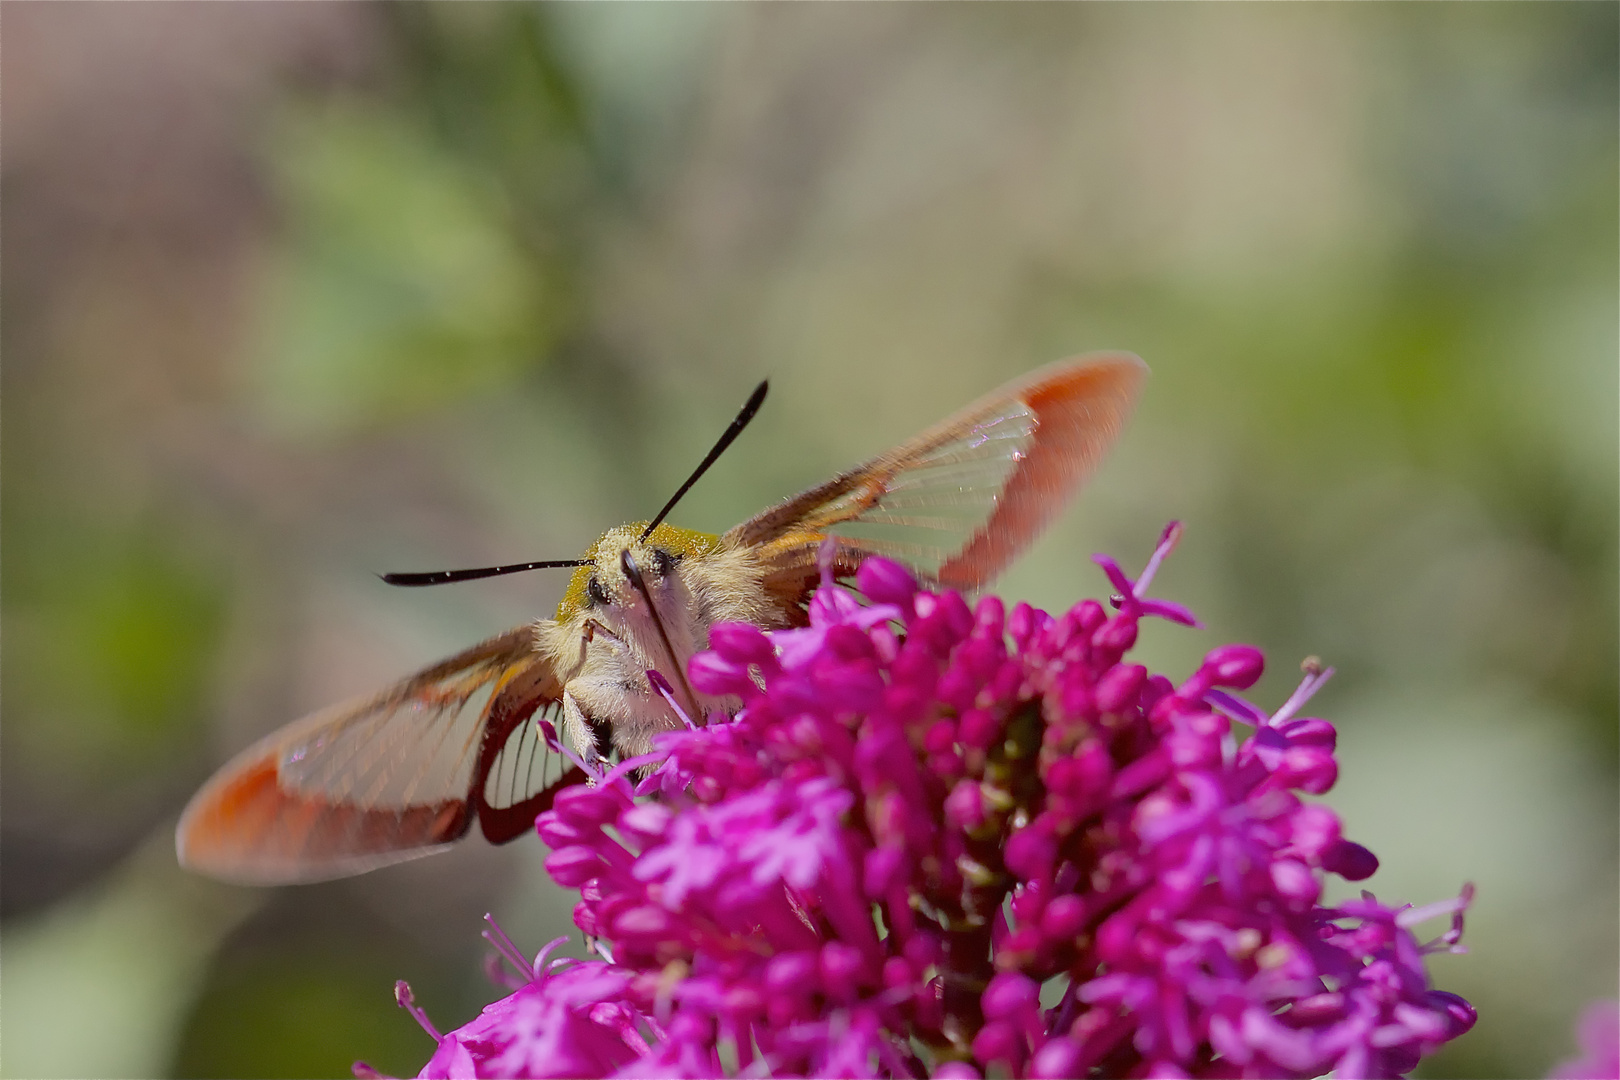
(595, 630)
(581, 732)
(577, 729)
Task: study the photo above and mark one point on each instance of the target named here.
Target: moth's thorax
(609, 632)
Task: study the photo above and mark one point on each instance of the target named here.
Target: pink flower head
(1598, 1034)
(930, 818)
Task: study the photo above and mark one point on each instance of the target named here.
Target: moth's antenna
(750, 407)
(445, 577)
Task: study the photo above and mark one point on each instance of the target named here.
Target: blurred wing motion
(960, 501)
(387, 779)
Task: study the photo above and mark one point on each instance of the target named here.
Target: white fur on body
(603, 651)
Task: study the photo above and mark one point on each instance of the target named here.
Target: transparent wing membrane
(931, 505)
(960, 501)
(420, 750)
(525, 766)
(372, 782)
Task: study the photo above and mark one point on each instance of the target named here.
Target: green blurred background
(296, 293)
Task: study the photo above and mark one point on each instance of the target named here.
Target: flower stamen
(407, 1001)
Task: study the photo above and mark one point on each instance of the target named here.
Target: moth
(409, 770)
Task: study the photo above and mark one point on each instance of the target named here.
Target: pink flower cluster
(1598, 1033)
(943, 840)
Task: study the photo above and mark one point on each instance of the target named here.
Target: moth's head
(604, 581)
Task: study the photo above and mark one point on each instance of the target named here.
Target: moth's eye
(663, 562)
(594, 590)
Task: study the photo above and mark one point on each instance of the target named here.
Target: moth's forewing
(390, 778)
(963, 499)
